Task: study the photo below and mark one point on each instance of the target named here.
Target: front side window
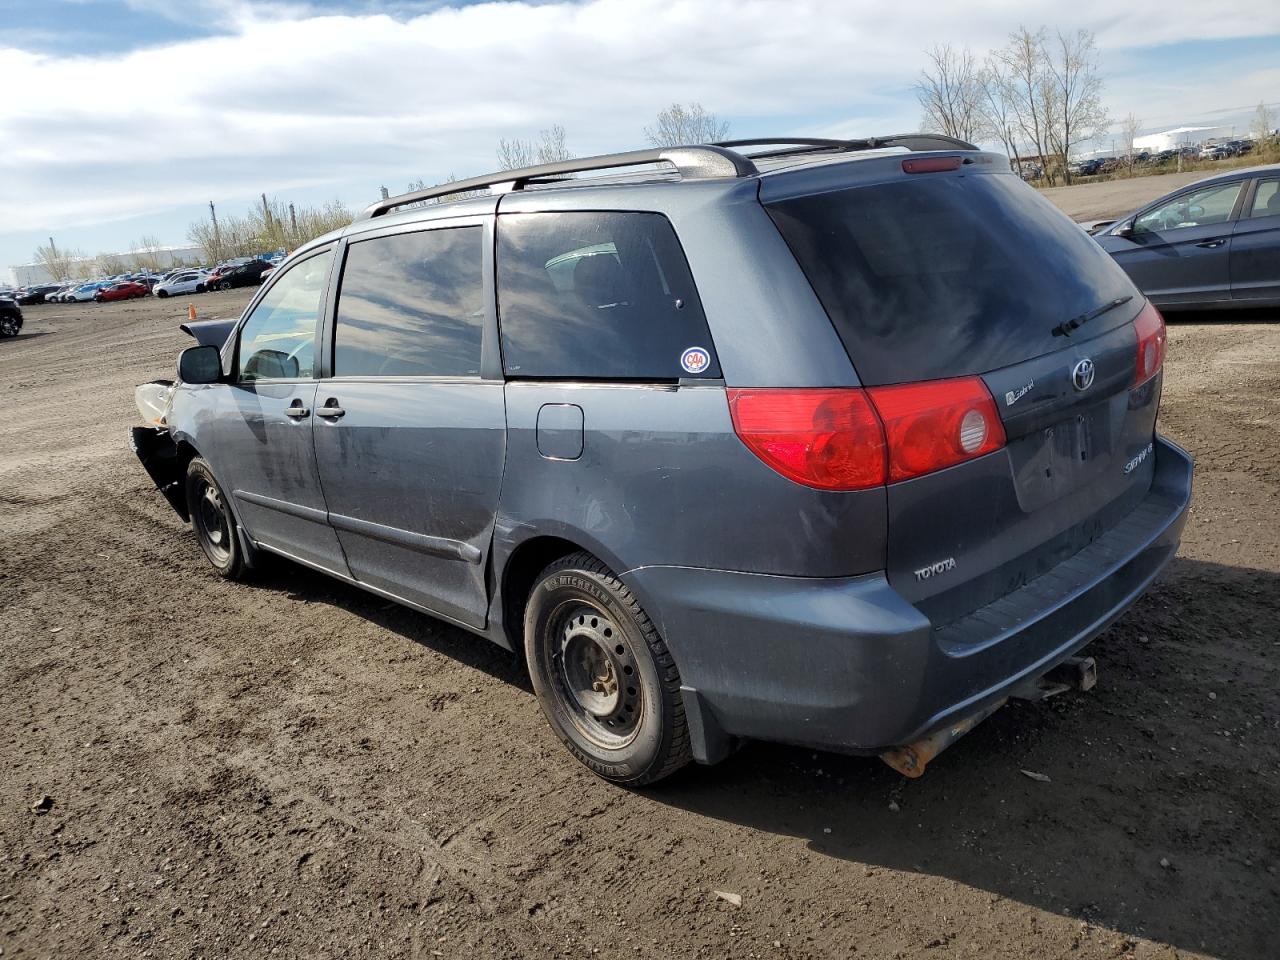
(598, 296)
(1266, 199)
(1196, 209)
(277, 342)
(412, 305)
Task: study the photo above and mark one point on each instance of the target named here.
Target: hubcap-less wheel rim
(211, 522)
(595, 675)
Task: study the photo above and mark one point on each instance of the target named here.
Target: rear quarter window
(598, 296)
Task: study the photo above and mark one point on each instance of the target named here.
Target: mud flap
(159, 456)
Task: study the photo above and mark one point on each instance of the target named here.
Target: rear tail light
(929, 426)
(828, 439)
(1152, 340)
(852, 439)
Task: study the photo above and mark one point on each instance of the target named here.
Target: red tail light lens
(1152, 341)
(929, 426)
(828, 439)
(931, 164)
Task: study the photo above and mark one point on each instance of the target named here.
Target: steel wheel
(603, 675)
(209, 516)
(595, 675)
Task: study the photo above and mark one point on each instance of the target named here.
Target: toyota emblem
(1082, 374)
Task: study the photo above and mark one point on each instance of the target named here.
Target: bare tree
(1075, 94)
(144, 253)
(551, 145)
(1264, 125)
(997, 107)
(1129, 129)
(1030, 90)
(679, 125)
(951, 92)
(514, 154)
(60, 263)
(549, 148)
(109, 263)
(267, 226)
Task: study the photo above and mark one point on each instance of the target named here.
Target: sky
(123, 118)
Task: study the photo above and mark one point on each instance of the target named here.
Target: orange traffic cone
(191, 312)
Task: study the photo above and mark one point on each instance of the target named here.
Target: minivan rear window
(944, 276)
(601, 295)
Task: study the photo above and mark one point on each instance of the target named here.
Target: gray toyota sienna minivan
(833, 443)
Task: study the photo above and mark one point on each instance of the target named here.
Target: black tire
(604, 677)
(213, 522)
(200, 288)
(9, 325)
(224, 285)
(162, 294)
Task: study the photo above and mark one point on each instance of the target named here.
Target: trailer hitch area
(1074, 673)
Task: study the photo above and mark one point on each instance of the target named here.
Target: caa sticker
(695, 360)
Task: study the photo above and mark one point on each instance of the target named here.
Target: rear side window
(1266, 199)
(412, 305)
(944, 276)
(598, 296)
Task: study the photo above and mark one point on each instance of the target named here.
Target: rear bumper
(849, 665)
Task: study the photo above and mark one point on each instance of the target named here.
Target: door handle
(330, 410)
(296, 411)
(1210, 244)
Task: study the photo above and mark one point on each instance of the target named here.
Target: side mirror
(1125, 229)
(201, 364)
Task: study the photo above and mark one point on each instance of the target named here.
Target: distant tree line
(1039, 90)
(270, 225)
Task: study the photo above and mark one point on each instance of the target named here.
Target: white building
(23, 274)
(1180, 137)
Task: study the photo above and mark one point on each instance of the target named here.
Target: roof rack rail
(801, 145)
(692, 163)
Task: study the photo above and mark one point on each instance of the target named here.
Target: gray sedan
(1213, 244)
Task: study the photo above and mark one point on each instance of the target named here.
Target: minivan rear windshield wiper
(1064, 329)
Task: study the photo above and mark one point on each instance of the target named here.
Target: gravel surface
(1109, 199)
(295, 768)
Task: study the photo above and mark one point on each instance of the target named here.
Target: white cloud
(296, 96)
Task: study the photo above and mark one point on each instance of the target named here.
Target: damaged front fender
(164, 463)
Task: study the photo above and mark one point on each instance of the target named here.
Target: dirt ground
(192, 768)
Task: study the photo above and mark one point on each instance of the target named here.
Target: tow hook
(1074, 673)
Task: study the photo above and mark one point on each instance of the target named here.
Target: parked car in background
(86, 292)
(125, 290)
(10, 317)
(1086, 168)
(183, 281)
(36, 293)
(806, 445)
(1213, 244)
(240, 275)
